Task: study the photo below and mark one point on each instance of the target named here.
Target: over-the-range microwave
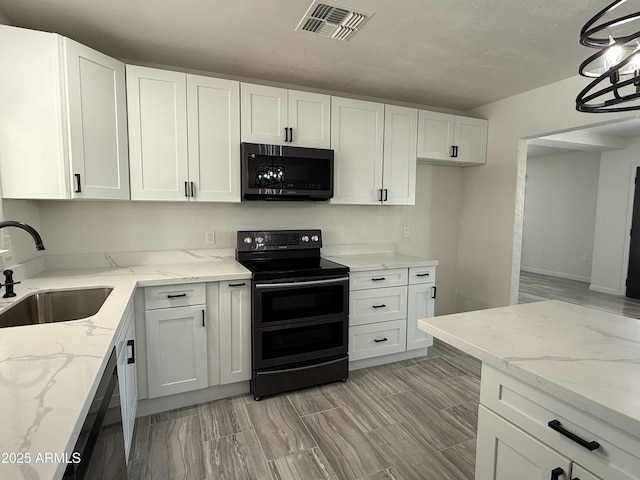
(279, 172)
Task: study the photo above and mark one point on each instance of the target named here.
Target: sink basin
(55, 306)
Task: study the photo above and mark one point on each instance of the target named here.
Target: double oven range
(299, 311)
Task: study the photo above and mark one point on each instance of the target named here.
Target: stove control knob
(305, 238)
(259, 240)
(314, 238)
(247, 240)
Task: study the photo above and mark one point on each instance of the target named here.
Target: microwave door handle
(264, 286)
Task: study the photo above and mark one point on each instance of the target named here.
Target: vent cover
(338, 22)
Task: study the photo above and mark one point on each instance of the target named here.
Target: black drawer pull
(557, 426)
(132, 358)
(377, 279)
(78, 183)
(434, 292)
(422, 274)
(378, 340)
(379, 306)
(237, 284)
(556, 472)
(177, 296)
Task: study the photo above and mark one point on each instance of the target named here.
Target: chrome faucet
(9, 283)
(27, 228)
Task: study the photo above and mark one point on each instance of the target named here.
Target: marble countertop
(586, 357)
(362, 262)
(49, 373)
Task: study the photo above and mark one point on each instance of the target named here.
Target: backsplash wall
(70, 227)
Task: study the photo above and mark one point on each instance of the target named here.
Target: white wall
(489, 248)
(613, 219)
(71, 227)
(559, 214)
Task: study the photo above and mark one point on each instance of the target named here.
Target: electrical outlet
(210, 237)
(405, 232)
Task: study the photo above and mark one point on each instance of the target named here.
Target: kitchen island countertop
(586, 357)
(49, 373)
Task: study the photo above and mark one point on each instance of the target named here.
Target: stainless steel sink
(55, 306)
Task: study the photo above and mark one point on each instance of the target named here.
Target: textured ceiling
(455, 54)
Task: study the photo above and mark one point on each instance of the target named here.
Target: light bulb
(613, 55)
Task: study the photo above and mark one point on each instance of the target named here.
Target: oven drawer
(377, 305)
(532, 410)
(366, 341)
(165, 296)
(378, 278)
(422, 275)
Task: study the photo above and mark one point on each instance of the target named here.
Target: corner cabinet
(184, 136)
(63, 132)
(451, 139)
(278, 116)
(127, 376)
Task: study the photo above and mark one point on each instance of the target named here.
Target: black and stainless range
(299, 311)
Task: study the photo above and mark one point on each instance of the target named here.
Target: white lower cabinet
(176, 348)
(504, 452)
(384, 308)
(127, 377)
(579, 473)
(235, 331)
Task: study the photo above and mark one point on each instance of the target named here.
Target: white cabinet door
(357, 129)
(420, 304)
(579, 473)
(435, 135)
(63, 115)
(157, 113)
(127, 377)
(176, 350)
(97, 123)
(235, 331)
(213, 113)
(263, 114)
(309, 118)
(505, 452)
(399, 172)
(470, 138)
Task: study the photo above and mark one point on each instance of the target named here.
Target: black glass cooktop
(270, 269)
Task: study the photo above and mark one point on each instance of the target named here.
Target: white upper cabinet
(184, 136)
(63, 120)
(278, 116)
(375, 152)
(451, 139)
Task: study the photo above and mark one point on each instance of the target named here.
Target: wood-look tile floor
(414, 419)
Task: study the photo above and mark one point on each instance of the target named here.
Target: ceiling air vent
(338, 22)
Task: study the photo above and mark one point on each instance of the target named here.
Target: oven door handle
(297, 369)
(264, 286)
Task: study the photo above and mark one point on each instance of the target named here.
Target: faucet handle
(9, 283)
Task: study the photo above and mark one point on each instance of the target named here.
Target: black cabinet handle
(193, 189)
(557, 426)
(132, 358)
(237, 284)
(377, 279)
(379, 194)
(186, 189)
(203, 322)
(454, 151)
(378, 340)
(78, 185)
(433, 295)
(290, 134)
(382, 305)
(575, 478)
(422, 274)
(386, 195)
(556, 472)
(180, 295)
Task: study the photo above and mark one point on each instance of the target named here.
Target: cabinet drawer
(174, 296)
(377, 305)
(532, 410)
(378, 278)
(422, 275)
(366, 341)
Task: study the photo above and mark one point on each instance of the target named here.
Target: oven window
(302, 340)
(302, 303)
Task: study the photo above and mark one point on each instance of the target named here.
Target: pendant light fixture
(615, 67)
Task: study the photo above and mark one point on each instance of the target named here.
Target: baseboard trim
(553, 273)
(610, 291)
